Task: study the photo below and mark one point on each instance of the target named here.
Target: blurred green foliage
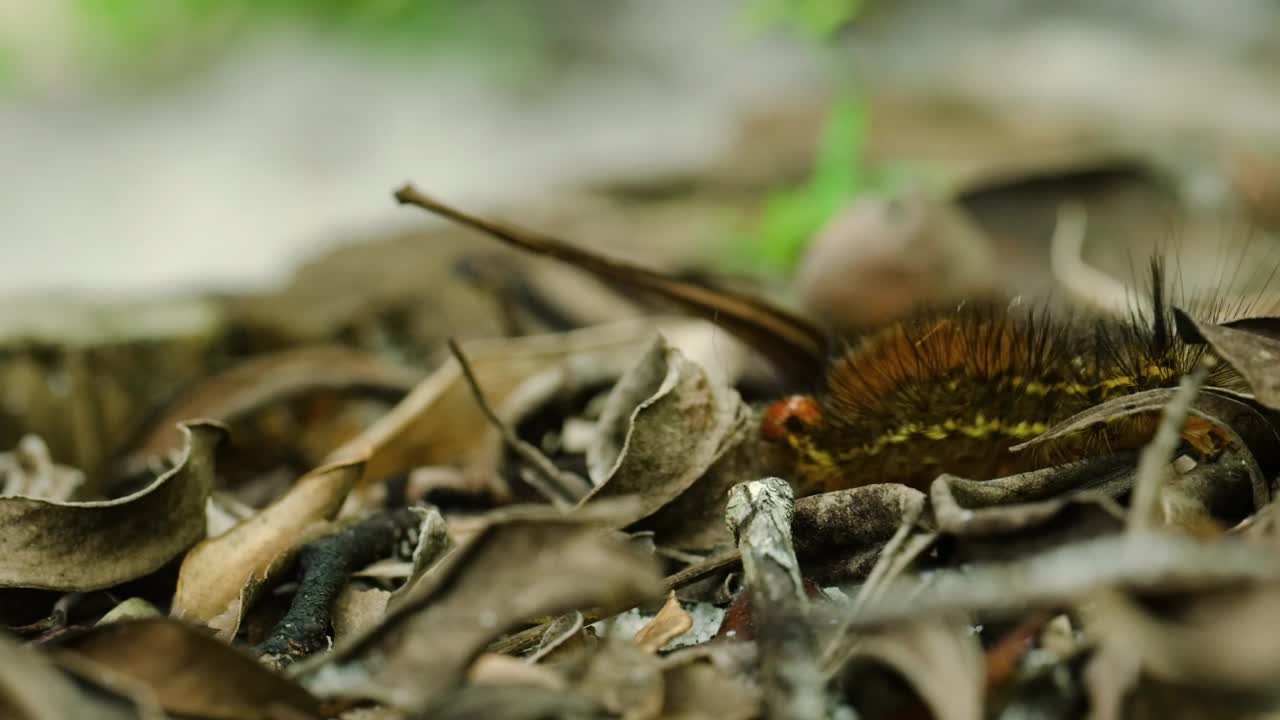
(132, 34)
(790, 217)
(817, 19)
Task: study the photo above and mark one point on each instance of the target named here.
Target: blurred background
(202, 180)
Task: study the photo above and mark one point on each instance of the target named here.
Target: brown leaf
(695, 518)
(32, 688)
(1252, 348)
(486, 702)
(670, 623)
(357, 610)
(624, 679)
(940, 658)
(438, 423)
(189, 672)
(1142, 562)
(1238, 426)
(90, 545)
(701, 691)
(506, 671)
(527, 562)
(789, 341)
(215, 571)
(1217, 639)
(989, 528)
(838, 535)
(662, 427)
(559, 634)
(263, 380)
(29, 471)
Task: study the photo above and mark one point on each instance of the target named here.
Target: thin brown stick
(1153, 463)
(789, 341)
(560, 487)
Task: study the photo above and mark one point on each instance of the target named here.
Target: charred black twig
(324, 566)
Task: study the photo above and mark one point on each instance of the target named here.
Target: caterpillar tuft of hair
(953, 392)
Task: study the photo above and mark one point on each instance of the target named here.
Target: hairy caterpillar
(940, 392)
(953, 392)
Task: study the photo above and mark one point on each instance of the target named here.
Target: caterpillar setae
(952, 392)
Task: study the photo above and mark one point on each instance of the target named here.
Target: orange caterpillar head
(792, 415)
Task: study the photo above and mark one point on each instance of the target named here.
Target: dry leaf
(358, 610)
(506, 671)
(624, 679)
(527, 562)
(662, 428)
(438, 423)
(215, 571)
(1252, 348)
(1009, 528)
(701, 691)
(1217, 639)
(90, 545)
(487, 702)
(1237, 425)
(1141, 562)
(266, 379)
(32, 688)
(558, 636)
(838, 535)
(29, 471)
(940, 658)
(670, 623)
(189, 672)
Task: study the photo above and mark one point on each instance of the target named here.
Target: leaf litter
(586, 524)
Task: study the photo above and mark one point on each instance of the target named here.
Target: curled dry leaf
(1252, 346)
(214, 573)
(960, 508)
(1141, 562)
(473, 702)
(663, 426)
(670, 623)
(263, 380)
(1217, 639)
(91, 545)
(438, 423)
(702, 691)
(29, 471)
(622, 678)
(188, 672)
(506, 671)
(527, 562)
(839, 535)
(558, 634)
(357, 610)
(939, 657)
(32, 688)
(1230, 420)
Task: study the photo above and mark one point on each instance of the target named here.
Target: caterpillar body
(954, 392)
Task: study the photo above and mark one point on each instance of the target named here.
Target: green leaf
(817, 19)
(791, 217)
